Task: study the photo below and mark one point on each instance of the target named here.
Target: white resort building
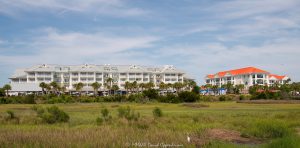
(248, 76)
(28, 79)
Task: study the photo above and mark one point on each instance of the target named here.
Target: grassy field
(218, 124)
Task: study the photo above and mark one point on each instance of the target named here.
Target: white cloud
(279, 57)
(93, 7)
(240, 9)
(53, 46)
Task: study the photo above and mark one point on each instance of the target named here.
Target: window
(260, 76)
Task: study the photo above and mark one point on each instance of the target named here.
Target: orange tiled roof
(246, 70)
(276, 76)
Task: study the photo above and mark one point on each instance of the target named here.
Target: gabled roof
(246, 70)
(278, 77)
(19, 73)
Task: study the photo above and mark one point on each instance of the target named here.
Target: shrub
(29, 99)
(196, 89)
(188, 96)
(285, 142)
(105, 117)
(11, 114)
(136, 98)
(128, 113)
(269, 129)
(59, 114)
(208, 98)
(151, 94)
(169, 98)
(104, 112)
(157, 112)
(99, 121)
(222, 98)
(52, 114)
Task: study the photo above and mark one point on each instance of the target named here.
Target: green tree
(54, 86)
(109, 84)
(96, 86)
(134, 86)
(115, 88)
(7, 88)
(78, 87)
(239, 88)
(178, 86)
(43, 85)
(149, 85)
(169, 86)
(127, 86)
(142, 86)
(229, 87)
(162, 86)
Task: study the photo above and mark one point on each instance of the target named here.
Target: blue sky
(198, 36)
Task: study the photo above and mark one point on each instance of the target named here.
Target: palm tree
(215, 89)
(48, 88)
(109, 84)
(54, 86)
(190, 84)
(229, 87)
(169, 85)
(177, 86)
(240, 87)
(127, 86)
(162, 86)
(134, 86)
(96, 86)
(149, 85)
(43, 85)
(208, 87)
(78, 87)
(7, 87)
(115, 88)
(142, 86)
(63, 89)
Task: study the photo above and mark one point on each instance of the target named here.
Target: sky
(198, 36)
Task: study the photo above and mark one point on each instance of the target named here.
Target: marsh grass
(274, 124)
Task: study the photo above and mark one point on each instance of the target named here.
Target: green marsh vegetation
(125, 124)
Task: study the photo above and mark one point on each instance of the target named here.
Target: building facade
(248, 76)
(28, 80)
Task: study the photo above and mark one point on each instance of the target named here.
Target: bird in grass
(188, 138)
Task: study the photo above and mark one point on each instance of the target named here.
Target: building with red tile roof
(247, 76)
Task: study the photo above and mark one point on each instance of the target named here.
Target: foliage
(285, 142)
(6, 88)
(157, 112)
(196, 89)
(11, 114)
(151, 94)
(269, 129)
(222, 98)
(128, 113)
(169, 98)
(51, 114)
(136, 98)
(105, 116)
(188, 96)
(2, 92)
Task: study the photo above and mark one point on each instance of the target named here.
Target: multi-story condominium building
(28, 80)
(248, 76)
